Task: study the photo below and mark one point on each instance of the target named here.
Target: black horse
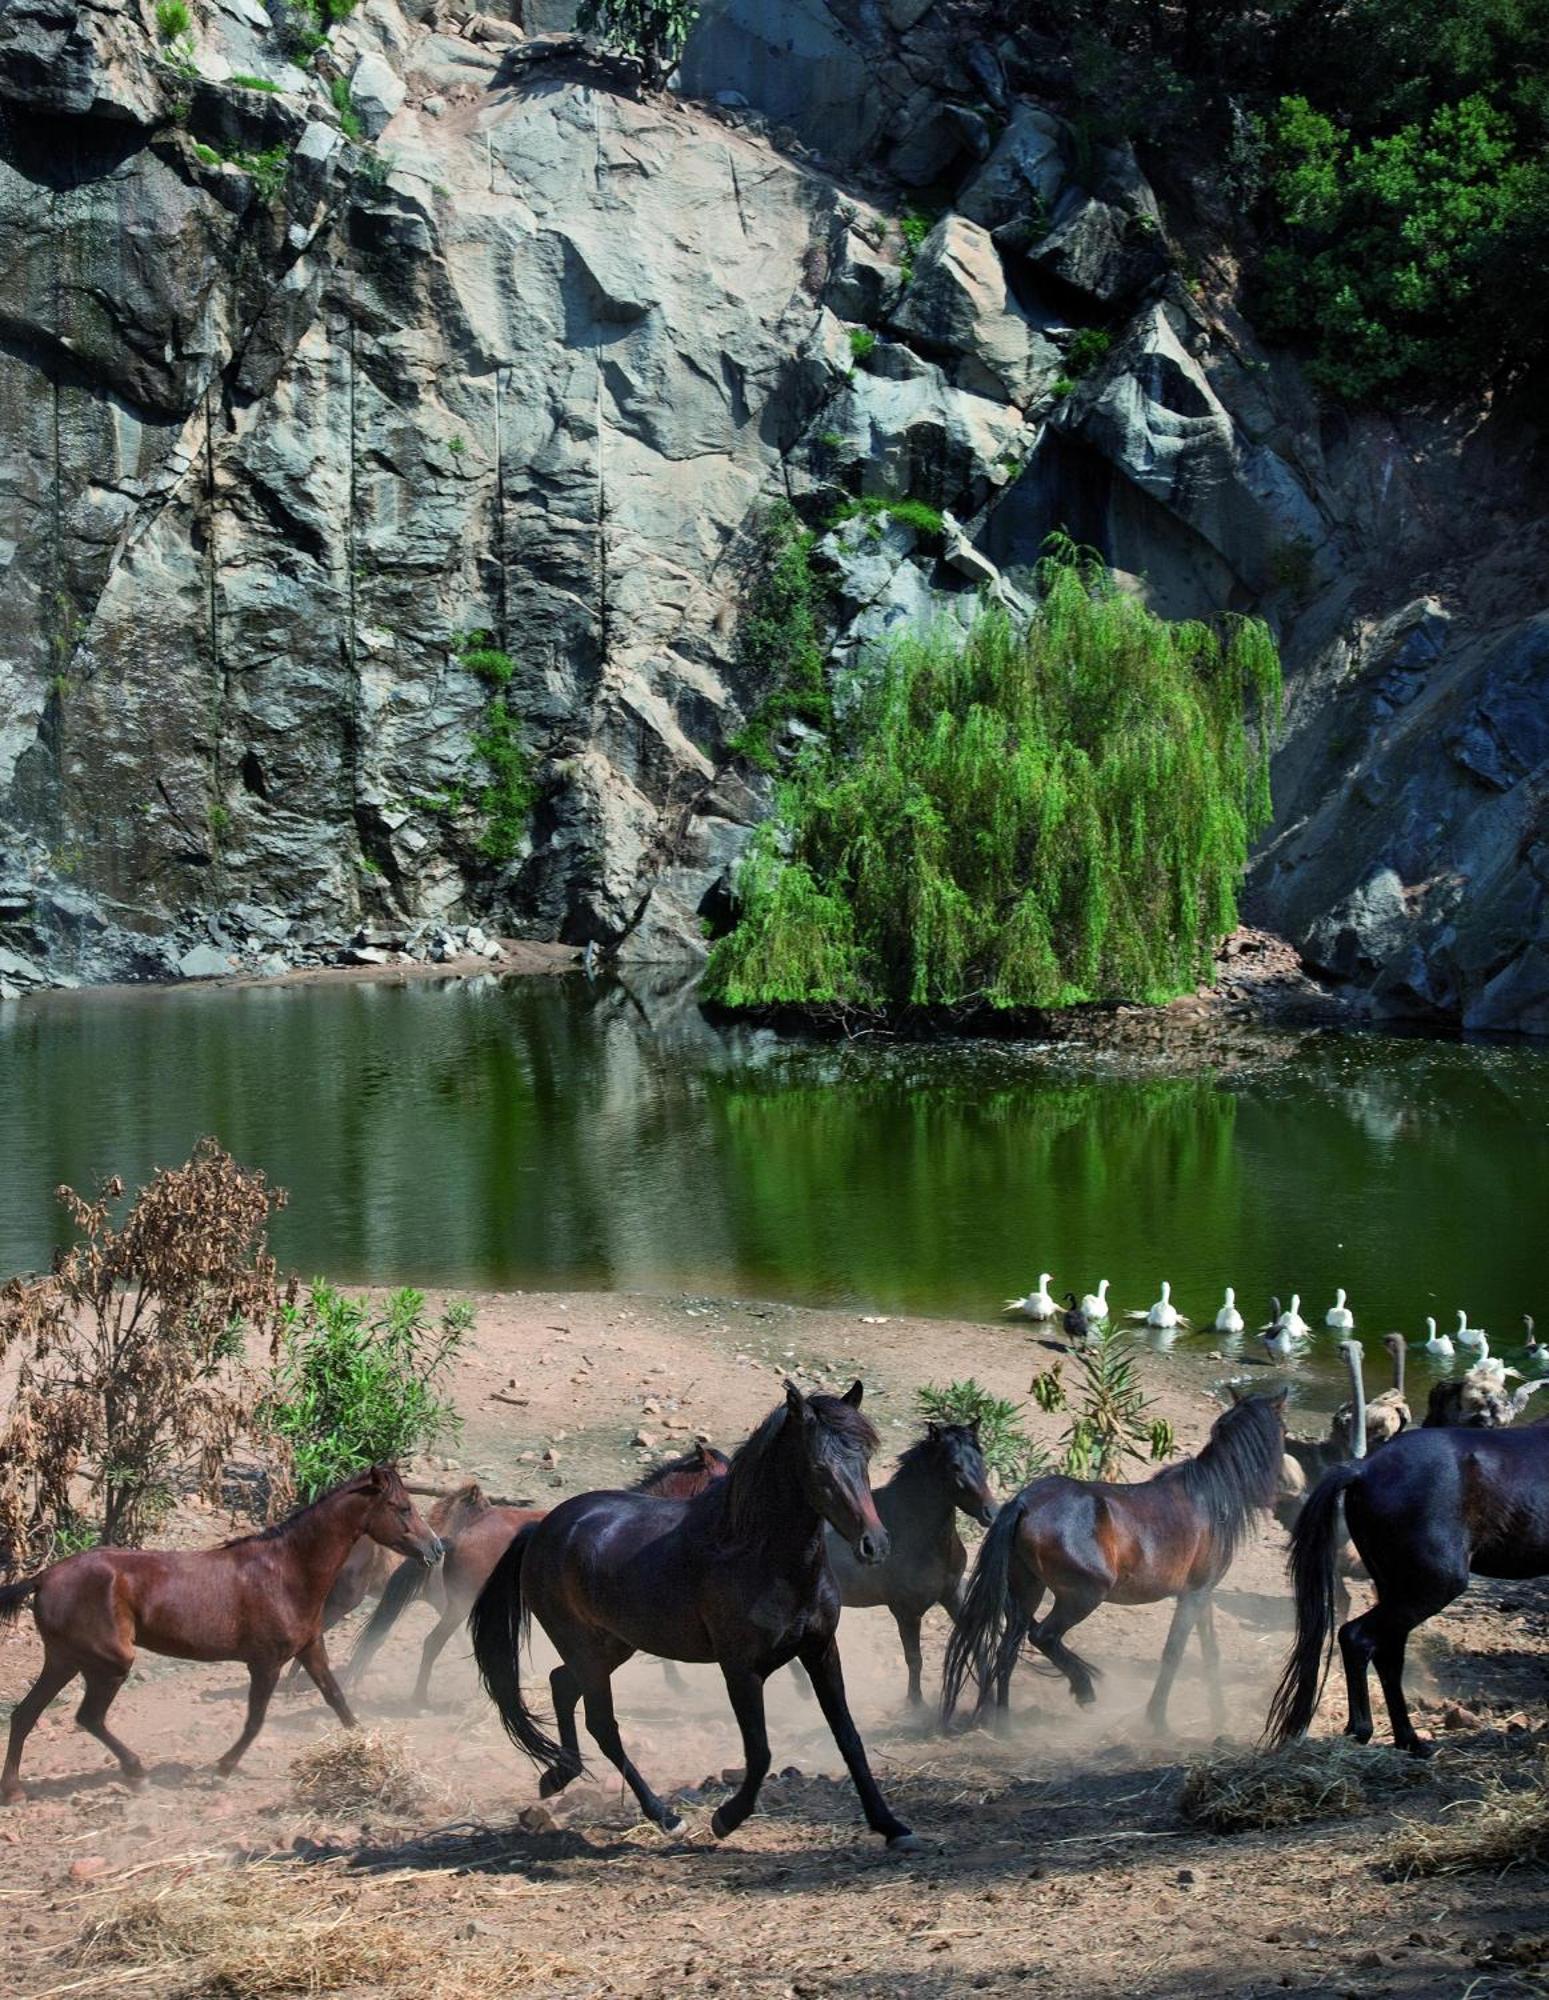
(738, 1575)
(1095, 1541)
(1427, 1511)
(924, 1565)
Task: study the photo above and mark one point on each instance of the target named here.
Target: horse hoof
(906, 1843)
(720, 1826)
(1419, 1746)
(137, 1781)
(13, 1795)
(671, 1822)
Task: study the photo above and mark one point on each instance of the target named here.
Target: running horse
(258, 1599)
(1093, 1542)
(476, 1544)
(738, 1575)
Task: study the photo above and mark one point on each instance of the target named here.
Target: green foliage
(1060, 388)
(914, 226)
(1088, 348)
(207, 154)
(457, 446)
(863, 342)
(653, 31)
(356, 1387)
(480, 655)
(173, 20)
(1110, 1418)
(1010, 1455)
(242, 82)
(220, 821)
(349, 117)
(507, 800)
(778, 646)
(1411, 259)
(1017, 819)
(917, 514)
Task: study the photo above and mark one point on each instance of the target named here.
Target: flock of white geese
(1285, 1334)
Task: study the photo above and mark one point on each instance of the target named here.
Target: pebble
(88, 1868)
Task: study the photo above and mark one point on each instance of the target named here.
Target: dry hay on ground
(361, 1770)
(1507, 1827)
(1257, 1791)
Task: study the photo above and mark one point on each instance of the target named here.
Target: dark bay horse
(739, 1576)
(924, 1565)
(1426, 1512)
(473, 1547)
(258, 1599)
(1093, 1542)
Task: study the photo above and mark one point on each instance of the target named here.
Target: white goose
(1039, 1304)
(1291, 1319)
(1339, 1315)
(1229, 1319)
(1537, 1356)
(1438, 1344)
(1164, 1316)
(1095, 1304)
(1471, 1337)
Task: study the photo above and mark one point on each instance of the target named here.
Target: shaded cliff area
(451, 345)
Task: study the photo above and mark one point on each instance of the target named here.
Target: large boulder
(959, 305)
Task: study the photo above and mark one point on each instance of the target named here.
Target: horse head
(958, 1445)
(835, 1442)
(393, 1519)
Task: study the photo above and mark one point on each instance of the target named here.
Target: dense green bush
(507, 800)
(925, 520)
(778, 650)
(1024, 819)
(653, 31)
(356, 1387)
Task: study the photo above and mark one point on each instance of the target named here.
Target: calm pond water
(543, 1133)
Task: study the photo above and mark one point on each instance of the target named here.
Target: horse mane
(1236, 1472)
(745, 1489)
(690, 1462)
(287, 1521)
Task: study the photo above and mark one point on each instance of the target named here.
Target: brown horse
(1093, 1542)
(475, 1546)
(258, 1599)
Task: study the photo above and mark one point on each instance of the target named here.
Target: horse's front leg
(820, 1657)
(314, 1658)
(1185, 1613)
(745, 1688)
(908, 1623)
(262, 1676)
(1210, 1653)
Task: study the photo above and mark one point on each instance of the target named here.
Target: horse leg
(746, 1691)
(1185, 1613)
(1390, 1630)
(261, 1678)
(1018, 1624)
(102, 1684)
(314, 1658)
(55, 1674)
(597, 1695)
(435, 1642)
(1210, 1653)
(1048, 1635)
(821, 1659)
(908, 1624)
(565, 1691)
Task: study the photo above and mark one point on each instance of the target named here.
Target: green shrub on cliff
(1024, 819)
(778, 650)
(653, 31)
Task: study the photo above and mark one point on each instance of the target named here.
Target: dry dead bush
(360, 1770)
(1508, 1827)
(1255, 1791)
(129, 1351)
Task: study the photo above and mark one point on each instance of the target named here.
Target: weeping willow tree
(1031, 818)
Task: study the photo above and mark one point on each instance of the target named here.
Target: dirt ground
(1056, 1857)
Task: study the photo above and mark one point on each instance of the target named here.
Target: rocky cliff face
(287, 411)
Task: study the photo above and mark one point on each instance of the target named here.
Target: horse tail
(407, 1585)
(1315, 1543)
(15, 1595)
(983, 1629)
(498, 1623)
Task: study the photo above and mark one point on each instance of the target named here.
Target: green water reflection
(543, 1133)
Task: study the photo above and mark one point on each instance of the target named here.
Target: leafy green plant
(268, 169)
(1110, 1418)
(507, 800)
(173, 20)
(1061, 387)
(356, 1385)
(349, 117)
(480, 655)
(456, 446)
(778, 647)
(914, 226)
(244, 82)
(1017, 818)
(1010, 1455)
(863, 342)
(220, 820)
(1087, 350)
(917, 514)
(652, 31)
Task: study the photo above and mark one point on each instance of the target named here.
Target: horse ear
(795, 1401)
(1234, 1392)
(852, 1395)
(933, 1431)
(973, 1432)
(378, 1479)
